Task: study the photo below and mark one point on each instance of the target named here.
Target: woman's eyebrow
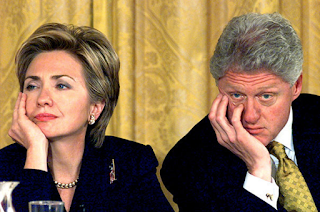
(55, 77)
(32, 77)
(62, 75)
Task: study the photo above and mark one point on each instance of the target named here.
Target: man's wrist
(266, 191)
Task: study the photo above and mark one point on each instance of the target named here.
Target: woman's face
(57, 97)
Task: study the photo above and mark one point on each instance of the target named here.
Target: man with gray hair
(258, 149)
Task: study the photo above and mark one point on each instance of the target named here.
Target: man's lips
(45, 117)
(254, 131)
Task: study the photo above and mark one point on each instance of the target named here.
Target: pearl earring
(92, 119)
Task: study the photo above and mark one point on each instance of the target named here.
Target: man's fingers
(236, 118)
(219, 121)
(215, 104)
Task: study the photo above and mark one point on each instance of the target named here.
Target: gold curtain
(164, 48)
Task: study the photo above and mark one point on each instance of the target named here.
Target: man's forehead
(250, 75)
(265, 79)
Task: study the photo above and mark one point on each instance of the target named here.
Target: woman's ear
(97, 108)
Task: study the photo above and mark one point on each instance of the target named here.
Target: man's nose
(251, 112)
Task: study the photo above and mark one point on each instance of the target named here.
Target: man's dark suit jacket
(204, 176)
(136, 188)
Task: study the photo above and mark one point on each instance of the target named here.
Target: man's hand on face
(232, 135)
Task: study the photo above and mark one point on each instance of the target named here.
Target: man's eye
(266, 96)
(236, 95)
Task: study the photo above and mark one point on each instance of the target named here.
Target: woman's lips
(45, 117)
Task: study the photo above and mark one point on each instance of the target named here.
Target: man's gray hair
(254, 42)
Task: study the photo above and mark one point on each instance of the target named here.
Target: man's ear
(296, 88)
(97, 108)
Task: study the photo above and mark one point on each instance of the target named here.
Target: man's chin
(263, 139)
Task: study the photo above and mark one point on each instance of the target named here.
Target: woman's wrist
(37, 158)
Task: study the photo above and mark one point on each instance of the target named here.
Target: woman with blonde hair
(69, 86)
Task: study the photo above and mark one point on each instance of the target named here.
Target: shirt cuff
(266, 191)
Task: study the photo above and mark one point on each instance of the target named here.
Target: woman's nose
(44, 98)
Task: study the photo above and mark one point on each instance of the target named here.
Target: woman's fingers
(22, 105)
(13, 131)
(23, 130)
(16, 107)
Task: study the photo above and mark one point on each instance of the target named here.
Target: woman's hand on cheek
(29, 135)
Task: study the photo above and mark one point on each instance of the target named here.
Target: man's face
(266, 99)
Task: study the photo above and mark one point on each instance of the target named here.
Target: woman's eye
(62, 86)
(30, 87)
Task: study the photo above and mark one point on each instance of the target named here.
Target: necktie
(294, 192)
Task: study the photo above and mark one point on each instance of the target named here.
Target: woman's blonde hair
(99, 60)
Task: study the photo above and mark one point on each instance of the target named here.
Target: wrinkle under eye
(270, 100)
(237, 96)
